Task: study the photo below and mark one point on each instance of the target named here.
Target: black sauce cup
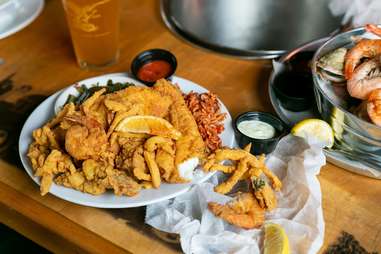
(151, 55)
(294, 90)
(260, 146)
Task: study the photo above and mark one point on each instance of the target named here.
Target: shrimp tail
(374, 29)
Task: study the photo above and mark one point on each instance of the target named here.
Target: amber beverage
(94, 29)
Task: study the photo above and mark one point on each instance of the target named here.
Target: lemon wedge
(276, 240)
(317, 128)
(149, 125)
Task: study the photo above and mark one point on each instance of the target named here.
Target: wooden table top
(39, 60)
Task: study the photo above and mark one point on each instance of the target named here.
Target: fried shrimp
(85, 139)
(243, 211)
(263, 193)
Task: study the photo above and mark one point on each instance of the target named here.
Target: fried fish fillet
(152, 102)
(190, 147)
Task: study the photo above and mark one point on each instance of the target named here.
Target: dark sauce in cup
(294, 86)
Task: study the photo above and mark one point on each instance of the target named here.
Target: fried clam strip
(243, 211)
(256, 165)
(153, 168)
(212, 164)
(166, 163)
(165, 155)
(228, 169)
(226, 186)
(140, 169)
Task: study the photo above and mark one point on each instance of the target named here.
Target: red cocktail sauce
(154, 70)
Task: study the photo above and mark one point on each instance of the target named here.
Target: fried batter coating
(225, 187)
(46, 137)
(115, 105)
(86, 105)
(80, 149)
(152, 102)
(264, 194)
(209, 162)
(190, 144)
(153, 143)
(68, 109)
(122, 183)
(94, 170)
(120, 115)
(140, 170)
(247, 148)
(223, 168)
(55, 163)
(86, 139)
(243, 211)
(230, 154)
(166, 163)
(37, 155)
(146, 185)
(153, 168)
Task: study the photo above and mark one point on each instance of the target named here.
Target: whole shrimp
(86, 138)
(373, 106)
(365, 79)
(244, 211)
(366, 48)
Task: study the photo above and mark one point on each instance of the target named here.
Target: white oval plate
(15, 18)
(45, 111)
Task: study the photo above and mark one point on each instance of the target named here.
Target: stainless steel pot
(249, 28)
(353, 135)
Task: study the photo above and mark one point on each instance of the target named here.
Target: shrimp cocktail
(357, 69)
(94, 29)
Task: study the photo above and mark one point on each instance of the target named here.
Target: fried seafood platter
(126, 148)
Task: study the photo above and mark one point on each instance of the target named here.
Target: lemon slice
(316, 128)
(276, 240)
(148, 124)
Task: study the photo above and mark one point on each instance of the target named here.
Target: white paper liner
(299, 211)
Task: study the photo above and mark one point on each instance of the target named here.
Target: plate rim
(53, 97)
(17, 27)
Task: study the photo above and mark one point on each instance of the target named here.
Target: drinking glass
(94, 30)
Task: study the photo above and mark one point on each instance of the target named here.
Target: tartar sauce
(256, 129)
